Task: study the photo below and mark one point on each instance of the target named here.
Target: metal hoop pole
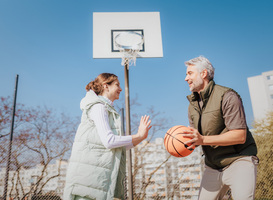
(128, 129)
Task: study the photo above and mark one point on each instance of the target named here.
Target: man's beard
(197, 85)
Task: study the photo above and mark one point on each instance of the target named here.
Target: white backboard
(106, 25)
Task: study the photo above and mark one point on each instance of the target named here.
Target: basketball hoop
(129, 44)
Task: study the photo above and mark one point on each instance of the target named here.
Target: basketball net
(129, 56)
(129, 45)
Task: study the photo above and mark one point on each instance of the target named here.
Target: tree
(5, 122)
(41, 136)
(159, 124)
(263, 135)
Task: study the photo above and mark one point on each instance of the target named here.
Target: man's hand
(195, 136)
(232, 137)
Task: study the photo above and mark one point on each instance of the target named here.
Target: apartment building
(261, 94)
(21, 182)
(161, 176)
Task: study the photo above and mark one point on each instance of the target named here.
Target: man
(218, 123)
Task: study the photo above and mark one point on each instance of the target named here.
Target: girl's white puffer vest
(94, 171)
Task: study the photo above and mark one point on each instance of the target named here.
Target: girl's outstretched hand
(144, 127)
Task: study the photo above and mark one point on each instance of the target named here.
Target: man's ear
(204, 74)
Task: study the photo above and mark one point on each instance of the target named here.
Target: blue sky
(49, 44)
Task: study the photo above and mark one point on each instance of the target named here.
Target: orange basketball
(174, 142)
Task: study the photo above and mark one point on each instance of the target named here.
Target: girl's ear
(105, 86)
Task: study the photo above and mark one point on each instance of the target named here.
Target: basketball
(174, 142)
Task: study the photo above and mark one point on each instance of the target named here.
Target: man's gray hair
(202, 63)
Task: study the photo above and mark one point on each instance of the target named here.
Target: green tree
(264, 138)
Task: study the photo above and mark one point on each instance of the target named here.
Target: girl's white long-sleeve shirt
(99, 114)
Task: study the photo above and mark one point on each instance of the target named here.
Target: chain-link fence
(156, 175)
(264, 188)
(42, 143)
(35, 168)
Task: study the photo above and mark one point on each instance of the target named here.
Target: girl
(97, 163)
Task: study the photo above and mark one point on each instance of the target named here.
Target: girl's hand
(144, 127)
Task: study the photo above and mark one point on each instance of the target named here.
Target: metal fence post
(10, 140)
